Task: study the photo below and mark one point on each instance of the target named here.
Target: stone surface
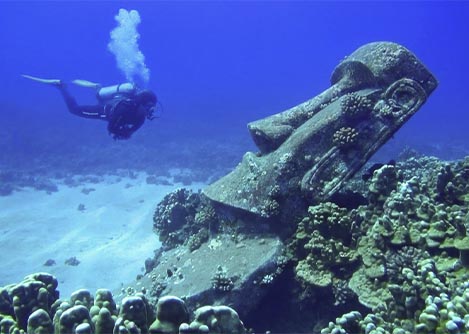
(308, 152)
(189, 275)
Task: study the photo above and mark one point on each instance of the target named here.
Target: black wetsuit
(123, 113)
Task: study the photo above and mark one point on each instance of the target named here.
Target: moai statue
(308, 152)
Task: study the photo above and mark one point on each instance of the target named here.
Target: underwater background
(80, 205)
(215, 66)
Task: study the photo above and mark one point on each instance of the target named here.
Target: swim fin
(86, 83)
(55, 82)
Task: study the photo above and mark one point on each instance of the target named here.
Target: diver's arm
(95, 112)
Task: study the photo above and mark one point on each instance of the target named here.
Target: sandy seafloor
(111, 237)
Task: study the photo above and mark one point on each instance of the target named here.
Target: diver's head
(147, 99)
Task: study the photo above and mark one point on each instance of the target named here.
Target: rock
(462, 245)
(171, 313)
(218, 319)
(135, 311)
(247, 263)
(40, 322)
(308, 152)
(73, 317)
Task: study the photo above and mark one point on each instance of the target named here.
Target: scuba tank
(125, 89)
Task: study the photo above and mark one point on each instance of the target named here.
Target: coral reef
(397, 263)
(383, 263)
(356, 106)
(33, 306)
(221, 281)
(323, 244)
(345, 137)
(37, 291)
(217, 319)
(184, 217)
(411, 245)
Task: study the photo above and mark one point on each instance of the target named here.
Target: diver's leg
(82, 111)
(69, 99)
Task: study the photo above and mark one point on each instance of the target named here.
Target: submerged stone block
(308, 152)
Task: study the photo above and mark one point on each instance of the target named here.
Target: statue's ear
(353, 74)
(407, 95)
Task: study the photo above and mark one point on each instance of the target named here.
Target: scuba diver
(125, 107)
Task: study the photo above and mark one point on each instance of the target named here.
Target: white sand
(111, 238)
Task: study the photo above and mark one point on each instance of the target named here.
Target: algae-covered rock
(79, 315)
(136, 313)
(462, 245)
(383, 182)
(39, 322)
(82, 297)
(73, 317)
(181, 272)
(314, 273)
(369, 292)
(104, 299)
(218, 319)
(171, 312)
(309, 151)
(36, 291)
(184, 217)
(104, 321)
(323, 245)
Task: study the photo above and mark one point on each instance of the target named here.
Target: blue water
(215, 66)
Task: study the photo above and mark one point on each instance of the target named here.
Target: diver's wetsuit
(122, 113)
(96, 111)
